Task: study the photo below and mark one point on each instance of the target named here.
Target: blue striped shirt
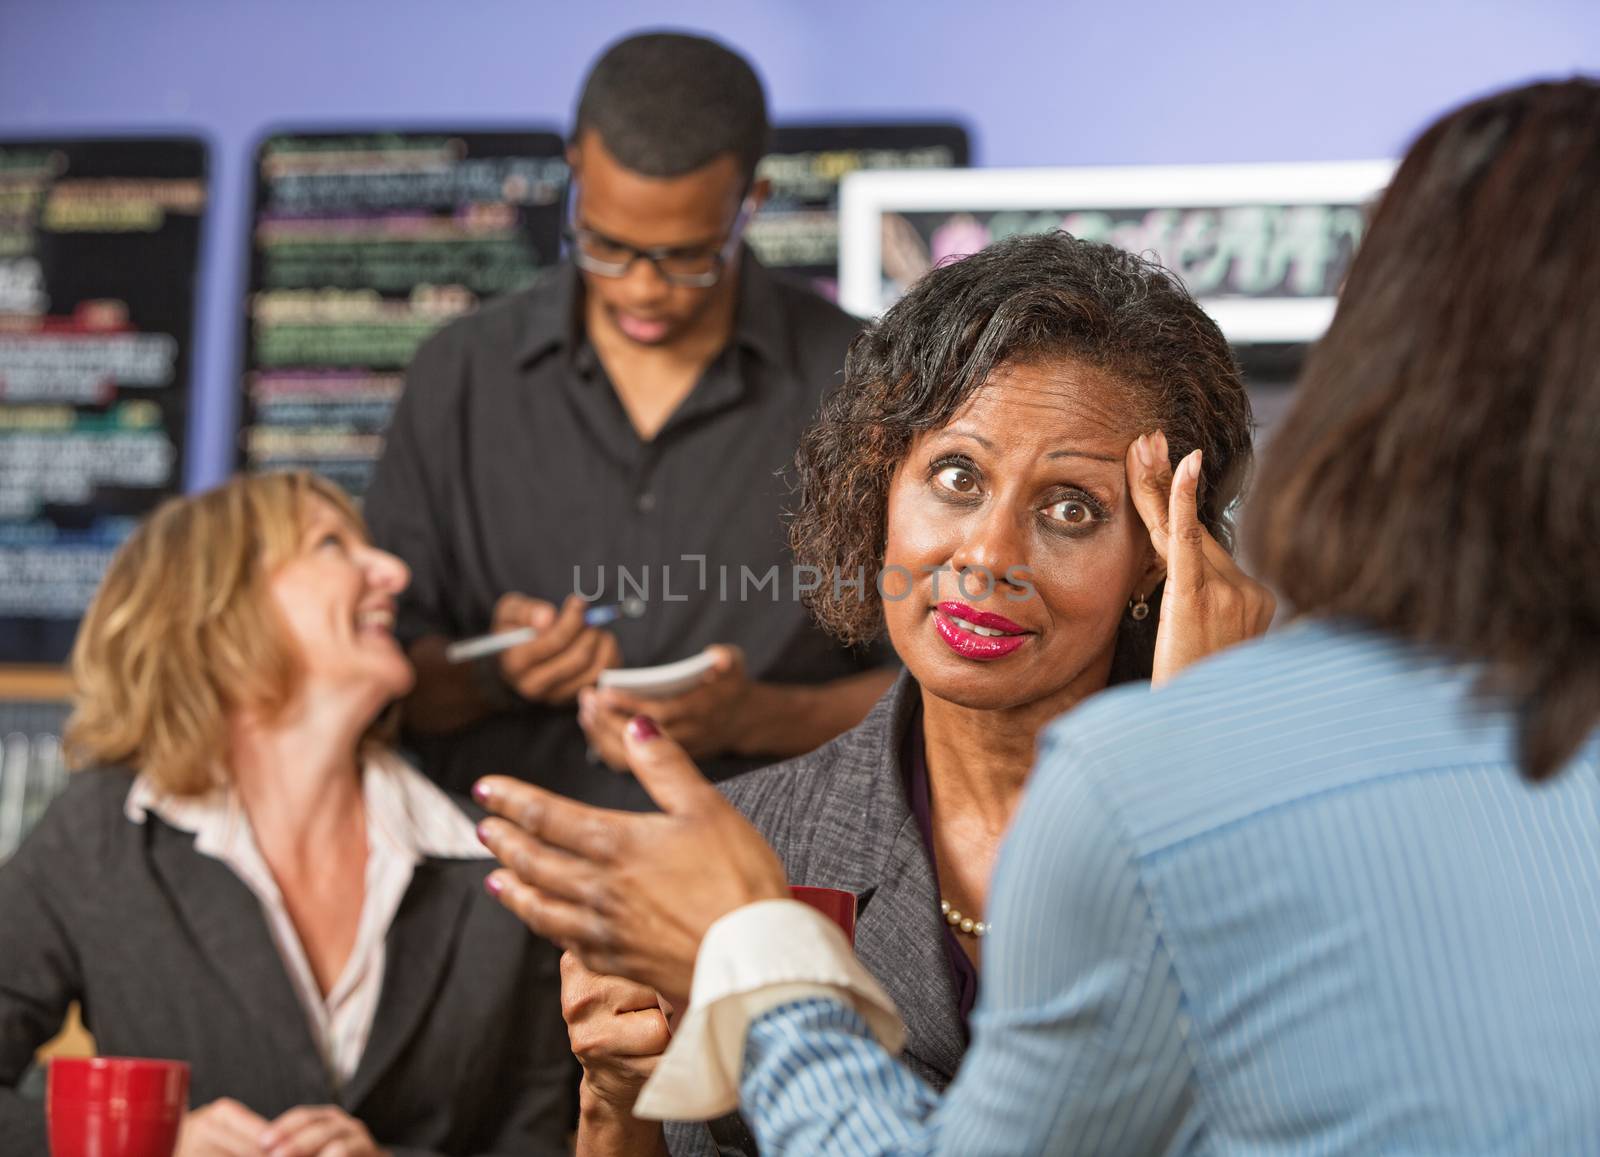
(1299, 901)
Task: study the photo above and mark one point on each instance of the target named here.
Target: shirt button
(646, 502)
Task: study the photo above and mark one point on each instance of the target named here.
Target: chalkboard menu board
(798, 228)
(363, 244)
(99, 248)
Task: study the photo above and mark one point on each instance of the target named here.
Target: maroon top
(914, 766)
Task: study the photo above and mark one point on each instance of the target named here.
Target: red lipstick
(979, 618)
(954, 622)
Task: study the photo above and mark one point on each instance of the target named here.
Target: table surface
(35, 684)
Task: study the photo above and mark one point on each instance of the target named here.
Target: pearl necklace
(954, 918)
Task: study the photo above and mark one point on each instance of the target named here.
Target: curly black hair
(1022, 300)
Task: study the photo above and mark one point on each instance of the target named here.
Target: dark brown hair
(1438, 476)
(1024, 299)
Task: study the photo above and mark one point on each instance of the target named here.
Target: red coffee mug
(834, 903)
(115, 1106)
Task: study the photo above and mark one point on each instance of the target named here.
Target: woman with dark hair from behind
(1459, 394)
(1337, 890)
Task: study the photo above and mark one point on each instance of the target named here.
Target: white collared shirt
(408, 819)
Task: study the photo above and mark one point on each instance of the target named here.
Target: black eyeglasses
(696, 268)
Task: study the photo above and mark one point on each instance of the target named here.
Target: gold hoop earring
(1138, 608)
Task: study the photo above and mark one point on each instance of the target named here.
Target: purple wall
(1041, 83)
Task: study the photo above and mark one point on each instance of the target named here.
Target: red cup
(115, 1106)
(834, 903)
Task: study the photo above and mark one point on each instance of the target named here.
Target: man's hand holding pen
(564, 656)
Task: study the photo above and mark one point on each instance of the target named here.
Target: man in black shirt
(619, 431)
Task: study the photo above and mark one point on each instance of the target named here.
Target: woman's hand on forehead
(1208, 603)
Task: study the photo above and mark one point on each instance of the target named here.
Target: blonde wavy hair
(183, 632)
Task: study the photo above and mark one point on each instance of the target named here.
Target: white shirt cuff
(751, 961)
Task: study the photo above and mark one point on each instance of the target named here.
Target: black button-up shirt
(511, 465)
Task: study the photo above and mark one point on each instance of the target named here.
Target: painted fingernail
(643, 728)
(494, 885)
(480, 791)
(483, 832)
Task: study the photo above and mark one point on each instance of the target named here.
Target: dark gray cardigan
(170, 955)
(838, 818)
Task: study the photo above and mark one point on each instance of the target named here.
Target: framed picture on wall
(1263, 248)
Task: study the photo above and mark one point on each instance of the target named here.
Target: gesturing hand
(630, 894)
(1208, 603)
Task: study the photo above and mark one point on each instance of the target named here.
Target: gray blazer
(838, 818)
(170, 955)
